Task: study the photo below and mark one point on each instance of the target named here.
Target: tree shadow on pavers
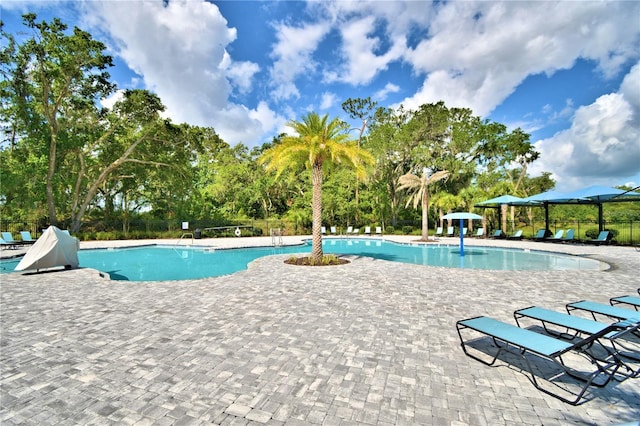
(544, 374)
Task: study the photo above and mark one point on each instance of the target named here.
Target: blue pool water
(163, 263)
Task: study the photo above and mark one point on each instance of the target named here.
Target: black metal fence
(625, 232)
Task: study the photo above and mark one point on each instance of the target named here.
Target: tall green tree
(53, 80)
(319, 142)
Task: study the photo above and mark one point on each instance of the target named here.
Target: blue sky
(568, 73)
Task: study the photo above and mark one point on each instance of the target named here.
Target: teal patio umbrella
(462, 216)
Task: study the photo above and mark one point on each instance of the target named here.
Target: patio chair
(450, 231)
(522, 342)
(516, 236)
(5, 244)
(627, 300)
(584, 327)
(356, 231)
(464, 232)
(8, 238)
(603, 238)
(438, 231)
(479, 233)
(569, 236)
(498, 234)
(349, 230)
(378, 230)
(540, 235)
(600, 309)
(323, 230)
(367, 230)
(556, 237)
(26, 237)
(334, 231)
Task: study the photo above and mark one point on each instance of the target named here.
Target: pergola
(593, 195)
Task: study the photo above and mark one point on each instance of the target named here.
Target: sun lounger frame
(506, 336)
(626, 300)
(582, 326)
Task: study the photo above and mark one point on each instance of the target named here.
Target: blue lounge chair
(627, 300)
(569, 236)
(498, 234)
(521, 342)
(603, 238)
(8, 238)
(584, 327)
(479, 233)
(26, 237)
(540, 235)
(600, 309)
(556, 237)
(516, 236)
(6, 244)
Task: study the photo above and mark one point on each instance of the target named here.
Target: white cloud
(382, 94)
(361, 63)
(292, 56)
(328, 100)
(477, 53)
(180, 52)
(603, 143)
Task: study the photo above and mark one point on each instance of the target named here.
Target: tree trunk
(425, 215)
(316, 208)
(51, 206)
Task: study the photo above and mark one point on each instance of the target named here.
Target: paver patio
(371, 342)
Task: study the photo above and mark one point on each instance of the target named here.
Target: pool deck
(371, 342)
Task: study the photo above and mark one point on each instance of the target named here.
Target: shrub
(390, 229)
(407, 230)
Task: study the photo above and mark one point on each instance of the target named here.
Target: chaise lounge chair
(334, 231)
(498, 234)
(378, 230)
(323, 230)
(603, 238)
(568, 237)
(557, 237)
(627, 300)
(438, 231)
(8, 238)
(600, 309)
(516, 236)
(522, 342)
(450, 231)
(479, 233)
(6, 244)
(367, 230)
(540, 235)
(585, 327)
(26, 237)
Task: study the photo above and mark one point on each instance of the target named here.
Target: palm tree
(420, 185)
(318, 143)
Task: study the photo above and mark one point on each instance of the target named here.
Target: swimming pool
(165, 263)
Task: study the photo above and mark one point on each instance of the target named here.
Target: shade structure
(594, 195)
(498, 201)
(462, 216)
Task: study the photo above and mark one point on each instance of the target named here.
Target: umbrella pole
(461, 238)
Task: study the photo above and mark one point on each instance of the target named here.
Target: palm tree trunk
(425, 215)
(316, 208)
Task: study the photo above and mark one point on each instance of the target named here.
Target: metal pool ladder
(276, 237)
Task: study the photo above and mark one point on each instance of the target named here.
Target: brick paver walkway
(372, 342)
